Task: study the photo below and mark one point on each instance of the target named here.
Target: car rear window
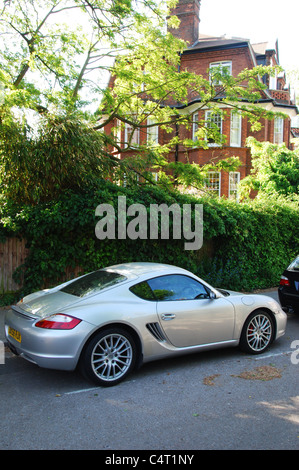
(294, 266)
(93, 283)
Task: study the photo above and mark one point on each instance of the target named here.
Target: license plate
(14, 334)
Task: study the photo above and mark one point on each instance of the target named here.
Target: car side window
(177, 287)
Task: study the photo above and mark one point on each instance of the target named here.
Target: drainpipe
(176, 155)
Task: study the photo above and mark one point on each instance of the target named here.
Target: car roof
(138, 269)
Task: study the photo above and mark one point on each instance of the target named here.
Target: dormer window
(218, 70)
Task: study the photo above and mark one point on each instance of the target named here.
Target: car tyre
(257, 333)
(109, 357)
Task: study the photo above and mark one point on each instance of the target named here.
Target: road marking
(81, 390)
(273, 355)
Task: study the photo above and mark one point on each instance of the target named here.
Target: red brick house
(233, 55)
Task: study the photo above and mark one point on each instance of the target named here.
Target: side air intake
(156, 331)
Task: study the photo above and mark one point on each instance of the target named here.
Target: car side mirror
(213, 295)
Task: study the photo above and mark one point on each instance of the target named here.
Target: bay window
(152, 132)
(131, 135)
(212, 182)
(214, 127)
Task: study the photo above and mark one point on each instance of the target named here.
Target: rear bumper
(288, 299)
(47, 361)
(51, 349)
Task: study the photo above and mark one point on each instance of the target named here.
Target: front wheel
(109, 357)
(257, 333)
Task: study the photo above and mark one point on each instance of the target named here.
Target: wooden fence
(13, 253)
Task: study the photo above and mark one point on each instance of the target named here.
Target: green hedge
(249, 244)
(259, 241)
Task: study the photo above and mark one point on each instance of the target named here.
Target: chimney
(187, 12)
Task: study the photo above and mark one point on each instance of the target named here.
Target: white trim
(269, 106)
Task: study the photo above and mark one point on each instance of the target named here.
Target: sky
(257, 20)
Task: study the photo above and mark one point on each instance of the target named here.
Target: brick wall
(281, 95)
(187, 12)
(199, 61)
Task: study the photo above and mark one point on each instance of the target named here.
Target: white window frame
(220, 66)
(273, 82)
(152, 133)
(278, 130)
(194, 126)
(235, 129)
(273, 78)
(234, 180)
(134, 141)
(155, 175)
(216, 119)
(213, 181)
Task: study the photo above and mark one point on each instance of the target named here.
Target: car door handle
(167, 316)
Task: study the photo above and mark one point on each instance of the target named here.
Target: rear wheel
(109, 357)
(257, 333)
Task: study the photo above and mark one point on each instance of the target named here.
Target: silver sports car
(113, 320)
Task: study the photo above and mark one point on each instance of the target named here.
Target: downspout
(176, 154)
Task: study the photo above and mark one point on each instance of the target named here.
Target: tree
(275, 170)
(57, 68)
(67, 155)
(55, 49)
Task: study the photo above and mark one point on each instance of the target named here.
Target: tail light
(58, 321)
(284, 281)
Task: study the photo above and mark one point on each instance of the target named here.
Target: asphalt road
(204, 401)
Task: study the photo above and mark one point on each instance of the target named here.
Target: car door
(188, 315)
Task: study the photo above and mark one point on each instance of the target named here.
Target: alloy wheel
(259, 332)
(112, 357)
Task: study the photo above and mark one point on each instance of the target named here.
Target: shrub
(251, 242)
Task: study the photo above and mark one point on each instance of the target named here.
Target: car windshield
(93, 283)
(294, 266)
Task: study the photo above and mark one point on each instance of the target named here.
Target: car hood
(228, 293)
(45, 303)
